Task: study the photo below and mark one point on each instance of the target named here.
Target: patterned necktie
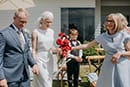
(21, 38)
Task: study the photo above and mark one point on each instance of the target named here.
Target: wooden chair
(98, 50)
(97, 66)
(96, 62)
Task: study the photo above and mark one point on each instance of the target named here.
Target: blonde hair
(20, 10)
(118, 21)
(123, 19)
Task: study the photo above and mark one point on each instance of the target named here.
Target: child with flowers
(75, 56)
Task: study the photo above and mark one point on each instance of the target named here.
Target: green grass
(84, 80)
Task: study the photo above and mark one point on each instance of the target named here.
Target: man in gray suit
(15, 54)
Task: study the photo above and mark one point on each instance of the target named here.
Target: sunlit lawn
(84, 80)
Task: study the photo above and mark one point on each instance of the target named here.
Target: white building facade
(86, 15)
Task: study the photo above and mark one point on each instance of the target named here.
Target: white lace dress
(45, 39)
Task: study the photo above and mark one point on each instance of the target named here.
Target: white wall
(5, 18)
(98, 18)
(43, 5)
(56, 5)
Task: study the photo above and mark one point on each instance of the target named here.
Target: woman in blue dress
(115, 71)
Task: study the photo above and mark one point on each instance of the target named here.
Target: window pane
(82, 19)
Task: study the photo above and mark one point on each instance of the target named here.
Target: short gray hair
(47, 14)
(19, 10)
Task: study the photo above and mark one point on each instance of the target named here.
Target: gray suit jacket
(13, 60)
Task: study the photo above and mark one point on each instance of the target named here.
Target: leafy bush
(91, 51)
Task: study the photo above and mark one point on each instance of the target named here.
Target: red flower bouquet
(63, 43)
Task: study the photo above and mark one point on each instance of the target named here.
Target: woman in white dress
(42, 43)
(115, 71)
